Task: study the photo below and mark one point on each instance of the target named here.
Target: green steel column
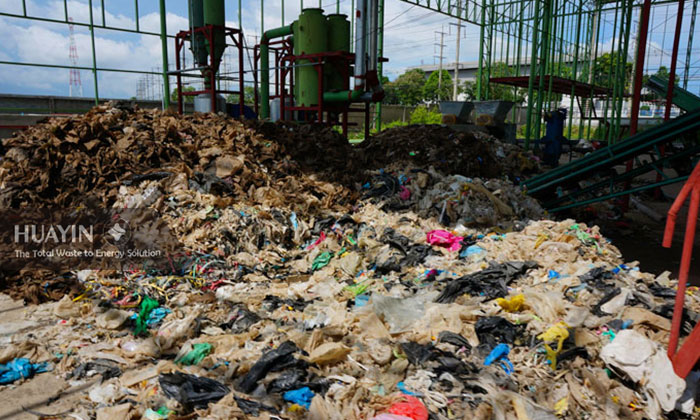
(491, 52)
(480, 72)
(623, 65)
(575, 69)
(689, 51)
(337, 6)
(136, 13)
(531, 80)
(597, 17)
(608, 131)
(164, 53)
(240, 19)
(584, 74)
(520, 43)
(547, 27)
(262, 17)
(265, 66)
(94, 58)
(380, 65)
(621, 71)
(352, 26)
(551, 57)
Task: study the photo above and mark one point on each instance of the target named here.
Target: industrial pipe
(265, 66)
(344, 96)
(360, 34)
(373, 31)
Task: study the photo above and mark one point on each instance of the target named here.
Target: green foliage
(248, 96)
(496, 91)
(662, 73)
(605, 69)
(186, 99)
(393, 124)
(644, 108)
(435, 90)
(407, 89)
(423, 115)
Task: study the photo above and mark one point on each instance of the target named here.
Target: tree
(662, 73)
(496, 91)
(605, 69)
(185, 99)
(391, 92)
(408, 87)
(248, 96)
(434, 89)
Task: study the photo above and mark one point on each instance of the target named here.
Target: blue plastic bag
(471, 250)
(20, 368)
(500, 354)
(301, 396)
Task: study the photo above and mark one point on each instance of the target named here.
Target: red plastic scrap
(412, 407)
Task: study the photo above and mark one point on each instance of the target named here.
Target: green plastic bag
(197, 354)
(321, 261)
(147, 306)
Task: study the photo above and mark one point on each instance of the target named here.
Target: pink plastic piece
(412, 408)
(444, 239)
(405, 193)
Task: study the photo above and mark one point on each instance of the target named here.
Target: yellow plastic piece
(561, 406)
(557, 332)
(514, 304)
(540, 239)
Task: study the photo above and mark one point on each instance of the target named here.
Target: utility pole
(440, 57)
(459, 36)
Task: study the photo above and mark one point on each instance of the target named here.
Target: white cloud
(409, 40)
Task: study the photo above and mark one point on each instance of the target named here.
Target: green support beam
(164, 53)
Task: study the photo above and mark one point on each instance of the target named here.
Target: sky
(410, 39)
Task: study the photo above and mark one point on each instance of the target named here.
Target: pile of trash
(84, 160)
(363, 315)
(426, 295)
(449, 152)
(453, 199)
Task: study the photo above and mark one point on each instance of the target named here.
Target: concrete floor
(639, 237)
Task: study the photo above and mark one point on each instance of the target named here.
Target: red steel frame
(284, 65)
(236, 36)
(317, 61)
(684, 359)
(639, 74)
(281, 48)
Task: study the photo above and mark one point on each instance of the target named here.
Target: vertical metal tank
(214, 14)
(197, 43)
(338, 40)
(310, 37)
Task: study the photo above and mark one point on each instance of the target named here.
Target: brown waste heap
(84, 159)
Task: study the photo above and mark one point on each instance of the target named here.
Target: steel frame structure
(94, 23)
(236, 36)
(340, 61)
(565, 39)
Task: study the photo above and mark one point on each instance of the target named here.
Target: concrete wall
(390, 113)
(31, 104)
(19, 111)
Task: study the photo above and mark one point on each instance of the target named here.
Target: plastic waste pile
(452, 199)
(454, 300)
